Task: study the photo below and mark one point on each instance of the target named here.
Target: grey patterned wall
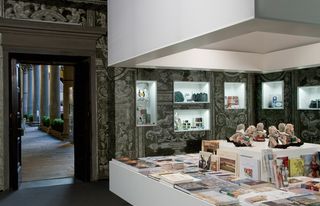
(307, 122)
(161, 139)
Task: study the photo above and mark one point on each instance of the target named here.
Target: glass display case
(234, 95)
(191, 120)
(191, 92)
(309, 98)
(146, 103)
(272, 95)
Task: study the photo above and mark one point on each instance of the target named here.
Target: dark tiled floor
(44, 157)
(78, 194)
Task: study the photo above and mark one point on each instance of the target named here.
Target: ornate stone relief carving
(43, 12)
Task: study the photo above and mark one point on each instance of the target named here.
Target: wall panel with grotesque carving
(161, 139)
(307, 122)
(270, 116)
(226, 121)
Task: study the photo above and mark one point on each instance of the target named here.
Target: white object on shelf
(272, 95)
(306, 95)
(189, 88)
(191, 120)
(235, 95)
(146, 103)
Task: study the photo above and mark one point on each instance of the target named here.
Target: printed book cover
(296, 166)
(191, 187)
(249, 167)
(216, 198)
(311, 165)
(177, 178)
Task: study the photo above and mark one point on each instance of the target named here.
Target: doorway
(54, 142)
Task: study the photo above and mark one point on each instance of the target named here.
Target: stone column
(36, 93)
(54, 92)
(30, 91)
(44, 91)
(24, 90)
(68, 76)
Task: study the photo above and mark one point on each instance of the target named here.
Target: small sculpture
(274, 141)
(260, 133)
(250, 131)
(283, 136)
(292, 140)
(239, 139)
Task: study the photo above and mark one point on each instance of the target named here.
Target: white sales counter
(258, 148)
(140, 190)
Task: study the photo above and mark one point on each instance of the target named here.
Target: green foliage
(57, 124)
(30, 117)
(45, 121)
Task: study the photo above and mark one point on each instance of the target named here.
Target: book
(281, 172)
(311, 165)
(191, 187)
(216, 198)
(296, 167)
(208, 161)
(228, 160)
(250, 183)
(311, 185)
(210, 146)
(177, 178)
(249, 167)
(312, 199)
(205, 160)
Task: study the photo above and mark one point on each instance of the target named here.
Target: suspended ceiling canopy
(257, 36)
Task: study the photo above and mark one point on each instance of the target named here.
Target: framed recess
(308, 98)
(187, 92)
(235, 95)
(191, 120)
(146, 103)
(273, 95)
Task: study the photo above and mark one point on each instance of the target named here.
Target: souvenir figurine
(283, 136)
(250, 131)
(274, 141)
(260, 133)
(239, 139)
(292, 140)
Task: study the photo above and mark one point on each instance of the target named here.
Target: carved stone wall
(307, 122)
(226, 121)
(3, 150)
(88, 13)
(161, 139)
(270, 116)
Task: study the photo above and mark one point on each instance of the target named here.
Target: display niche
(272, 95)
(191, 120)
(309, 98)
(146, 103)
(191, 92)
(234, 95)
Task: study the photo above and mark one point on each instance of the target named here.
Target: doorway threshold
(48, 182)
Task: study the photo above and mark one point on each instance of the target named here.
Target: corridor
(44, 157)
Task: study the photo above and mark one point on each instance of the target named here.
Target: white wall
(141, 26)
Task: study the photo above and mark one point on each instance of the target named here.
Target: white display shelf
(146, 103)
(272, 95)
(235, 95)
(192, 92)
(186, 120)
(306, 95)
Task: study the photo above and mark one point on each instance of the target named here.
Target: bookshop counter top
(258, 150)
(139, 190)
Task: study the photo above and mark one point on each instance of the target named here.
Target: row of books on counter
(228, 179)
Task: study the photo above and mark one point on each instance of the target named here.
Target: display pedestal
(140, 190)
(258, 148)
